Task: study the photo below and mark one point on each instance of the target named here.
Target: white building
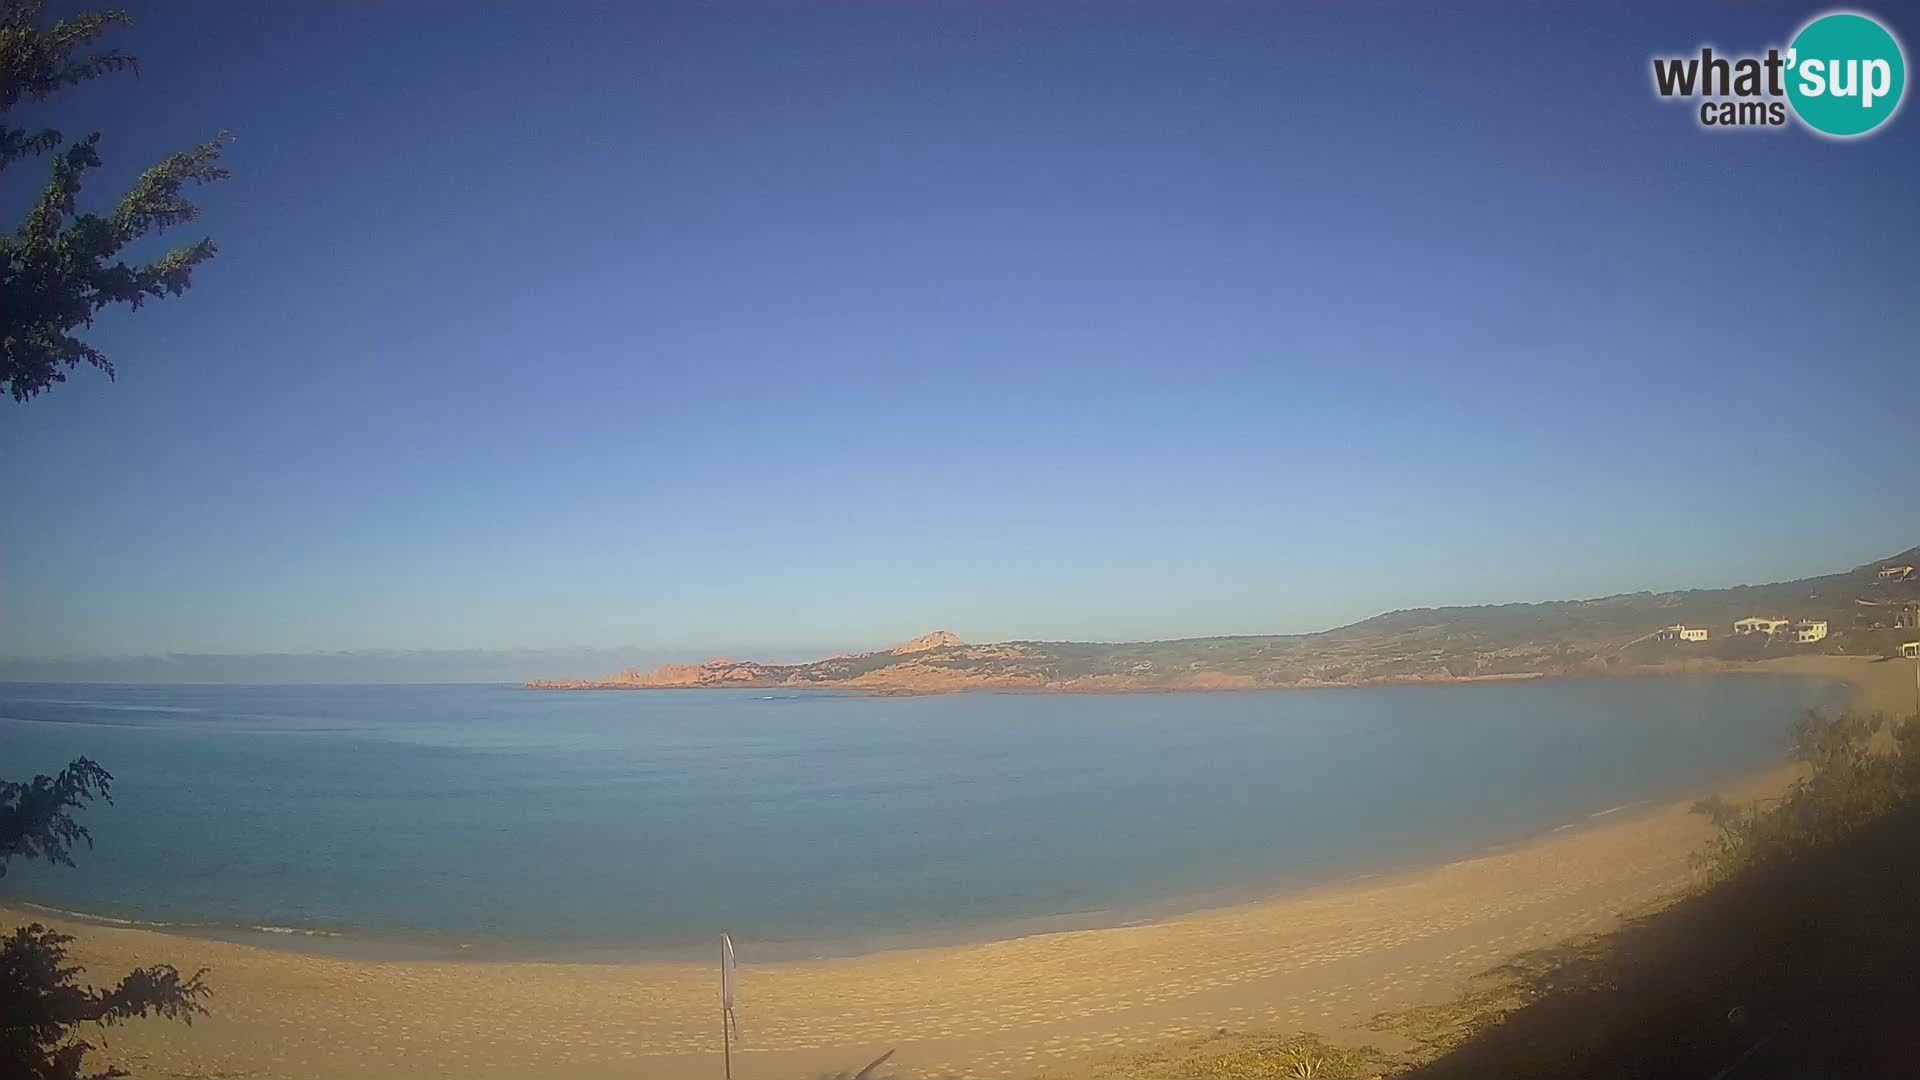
(1809, 630)
(1678, 632)
(1761, 625)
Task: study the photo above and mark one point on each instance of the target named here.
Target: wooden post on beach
(727, 1024)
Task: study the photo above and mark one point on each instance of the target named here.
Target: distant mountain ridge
(1865, 613)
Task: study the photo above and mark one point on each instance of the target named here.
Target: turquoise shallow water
(649, 822)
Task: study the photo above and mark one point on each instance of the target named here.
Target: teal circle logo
(1845, 74)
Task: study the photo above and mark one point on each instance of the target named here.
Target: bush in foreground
(42, 1003)
(1794, 957)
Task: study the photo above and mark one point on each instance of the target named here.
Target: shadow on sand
(1801, 959)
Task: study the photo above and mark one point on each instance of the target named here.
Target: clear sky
(789, 328)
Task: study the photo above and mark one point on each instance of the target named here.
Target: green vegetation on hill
(1609, 633)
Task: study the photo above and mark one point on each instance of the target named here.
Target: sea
(495, 822)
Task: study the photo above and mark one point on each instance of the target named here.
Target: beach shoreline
(378, 948)
(1322, 957)
(1173, 898)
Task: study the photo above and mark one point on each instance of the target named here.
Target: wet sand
(1322, 959)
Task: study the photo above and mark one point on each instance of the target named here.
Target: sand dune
(1323, 959)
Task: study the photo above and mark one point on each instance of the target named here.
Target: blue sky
(787, 328)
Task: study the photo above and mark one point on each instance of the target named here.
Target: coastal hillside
(1870, 610)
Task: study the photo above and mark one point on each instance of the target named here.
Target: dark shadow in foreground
(1800, 958)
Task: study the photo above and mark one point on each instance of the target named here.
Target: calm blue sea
(627, 823)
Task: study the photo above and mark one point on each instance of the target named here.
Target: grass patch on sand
(1298, 1056)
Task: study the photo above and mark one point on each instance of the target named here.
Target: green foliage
(41, 61)
(60, 267)
(35, 818)
(41, 1000)
(1851, 782)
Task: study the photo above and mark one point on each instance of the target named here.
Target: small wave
(155, 924)
(1616, 809)
(91, 917)
(107, 706)
(302, 931)
(92, 723)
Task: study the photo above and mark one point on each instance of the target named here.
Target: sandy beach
(1054, 1004)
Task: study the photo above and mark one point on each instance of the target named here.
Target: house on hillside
(1894, 573)
(1807, 630)
(1760, 625)
(1678, 632)
(1911, 648)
